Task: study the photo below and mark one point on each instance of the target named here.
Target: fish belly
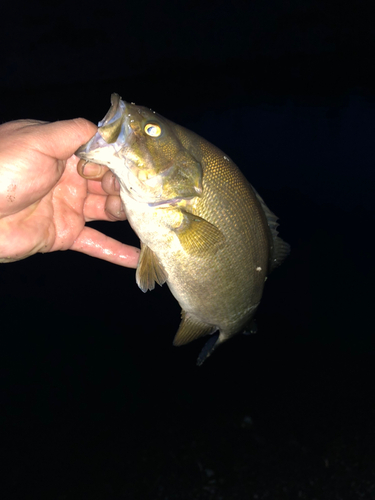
(222, 289)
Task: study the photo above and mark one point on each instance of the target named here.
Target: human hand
(45, 203)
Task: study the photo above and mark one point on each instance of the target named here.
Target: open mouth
(110, 137)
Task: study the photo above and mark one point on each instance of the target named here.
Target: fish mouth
(110, 137)
(111, 145)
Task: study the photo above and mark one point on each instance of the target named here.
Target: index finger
(94, 174)
(91, 171)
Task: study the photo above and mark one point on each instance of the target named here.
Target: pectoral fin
(196, 235)
(191, 329)
(149, 270)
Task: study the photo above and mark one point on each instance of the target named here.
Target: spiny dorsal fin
(196, 235)
(280, 249)
(149, 270)
(191, 329)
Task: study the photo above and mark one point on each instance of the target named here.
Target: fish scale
(203, 229)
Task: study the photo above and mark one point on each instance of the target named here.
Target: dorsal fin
(149, 270)
(280, 249)
(191, 329)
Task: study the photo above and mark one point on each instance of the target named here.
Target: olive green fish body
(203, 228)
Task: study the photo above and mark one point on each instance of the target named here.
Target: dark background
(95, 401)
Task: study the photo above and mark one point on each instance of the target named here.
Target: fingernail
(91, 170)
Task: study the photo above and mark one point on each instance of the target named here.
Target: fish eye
(152, 129)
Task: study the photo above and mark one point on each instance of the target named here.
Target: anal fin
(191, 329)
(149, 270)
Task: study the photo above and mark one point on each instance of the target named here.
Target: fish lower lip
(81, 150)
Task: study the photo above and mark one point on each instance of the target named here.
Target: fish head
(144, 151)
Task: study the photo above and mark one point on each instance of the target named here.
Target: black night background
(95, 402)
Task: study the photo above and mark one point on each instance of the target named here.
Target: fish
(203, 229)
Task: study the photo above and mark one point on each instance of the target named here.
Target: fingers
(96, 244)
(99, 207)
(110, 183)
(91, 171)
(101, 181)
(114, 208)
(96, 173)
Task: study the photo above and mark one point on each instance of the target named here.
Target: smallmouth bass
(203, 228)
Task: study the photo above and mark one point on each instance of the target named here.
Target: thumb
(61, 139)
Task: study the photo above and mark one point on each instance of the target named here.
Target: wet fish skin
(203, 228)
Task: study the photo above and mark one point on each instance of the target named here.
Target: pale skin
(47, 195)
